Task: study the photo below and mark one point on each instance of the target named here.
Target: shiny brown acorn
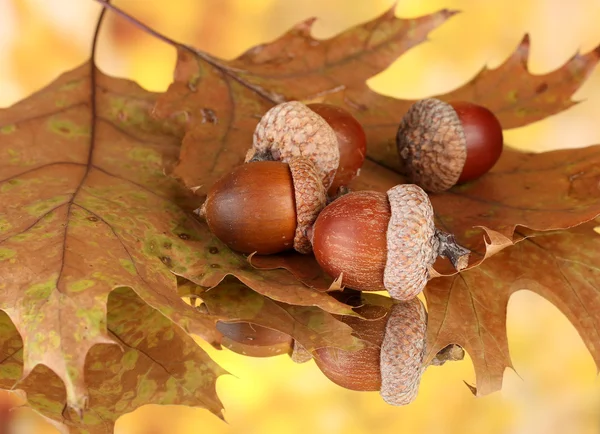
(327, 135)
(265, 206)
(392, 361)
(445, 143)
(351, 139)
(383, 241)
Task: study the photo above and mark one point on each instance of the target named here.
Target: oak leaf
(84, 204)
(309, 325)
(469, 309)
(155, 363)
(222, 101)
(85, 207)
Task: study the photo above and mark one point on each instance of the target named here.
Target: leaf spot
(68, 129)
(213, 250)
(81, 285)
(6, 254)
(209, 116)
(184, 236)
(7, 129)
(541, 88)
(166, 260)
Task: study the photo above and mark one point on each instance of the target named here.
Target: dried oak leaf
(206, 262)
(304, 267)
(545, 191)
(157, 363)
(85, 207)
(469, 309)
(311, 326)
(222, 101)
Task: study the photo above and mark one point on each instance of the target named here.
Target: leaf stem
(107, 5)
(272, 97)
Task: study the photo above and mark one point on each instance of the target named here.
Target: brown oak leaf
(83, 204)
(155, 363)
(85, 207)
(469, 309)
(311, 326)
(222, 101)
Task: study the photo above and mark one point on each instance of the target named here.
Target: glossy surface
(484, 139)
(352, 142)
(349, 237)
(252, 208)
(357, 370)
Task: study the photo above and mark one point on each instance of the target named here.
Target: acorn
(253, 340)
(383, 241)
(352, 143)
(442, 144)
(392, 361)
(291, 129)
(265, 206)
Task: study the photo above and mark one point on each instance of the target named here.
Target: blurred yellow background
(555, 387)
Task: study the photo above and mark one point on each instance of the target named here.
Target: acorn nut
(291, 129)
(392, 361)
(377, 241)
(442, 144)
(352, 143)
(265, 206)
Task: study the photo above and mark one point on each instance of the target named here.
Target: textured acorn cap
(291, 129)
(411, 245)
(311, 198)
(403, 352)
(432, 145)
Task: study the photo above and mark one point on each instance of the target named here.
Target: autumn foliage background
(555, 388)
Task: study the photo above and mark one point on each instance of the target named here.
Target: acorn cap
(403, 352)
(432, 145)
(311, 198)
(411, 245)
(291, 129)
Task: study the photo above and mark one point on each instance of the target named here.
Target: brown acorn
(352, 143)
(392, 361)
(441, 144)
(253, 340)
(265, 206)
(377, 241)
(291, 129)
